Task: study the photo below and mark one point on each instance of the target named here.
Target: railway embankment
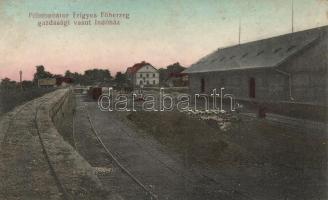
(35, 160)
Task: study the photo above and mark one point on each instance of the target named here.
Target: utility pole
(239, 31)
(20, 79)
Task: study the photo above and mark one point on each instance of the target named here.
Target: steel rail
(59, 184)
(135, 179)
(31, 103)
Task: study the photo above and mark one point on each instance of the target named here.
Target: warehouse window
(252, 87)
(222, 81)
(202, 85)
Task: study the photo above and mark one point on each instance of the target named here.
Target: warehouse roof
(257, 54)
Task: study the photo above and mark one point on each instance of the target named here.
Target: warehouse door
(252, 87)
(202, 85)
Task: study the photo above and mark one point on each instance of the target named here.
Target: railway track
(236, 193)
(151, 195)
(240, 194)
(190, 178)
(59, 185)
(33, 107)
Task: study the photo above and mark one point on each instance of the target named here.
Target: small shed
(47, 82)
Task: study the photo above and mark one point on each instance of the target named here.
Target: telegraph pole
(292, 16)
(20, 79)
(239, 31)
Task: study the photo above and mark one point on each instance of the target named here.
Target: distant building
(177, 80)
(47, 82)
(172, 76)
(142, 74)
(286, 68)
(55, 82)
(63, 81)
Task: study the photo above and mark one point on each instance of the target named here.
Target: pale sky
(159, 32)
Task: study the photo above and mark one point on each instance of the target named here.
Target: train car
(78, 90)
(95, 92)
(90, 91)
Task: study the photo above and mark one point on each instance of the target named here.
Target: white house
(142, 74)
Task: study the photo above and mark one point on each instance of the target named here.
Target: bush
(9, 99)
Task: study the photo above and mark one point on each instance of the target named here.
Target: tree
(68, 74)
(41, 73)
(175, 68)
(6, 83)
(27, 84)
(120, 79)
(57, 76)
(78, 78)
(97, 76)
(163, 74)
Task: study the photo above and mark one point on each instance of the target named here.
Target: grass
(246, 142)
(9, 99)
(194, 139)
(266, 160)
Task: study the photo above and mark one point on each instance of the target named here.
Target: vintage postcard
(163, 99)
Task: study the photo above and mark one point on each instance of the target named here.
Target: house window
(154, 82)
(147, 75)
(147, 82)
(140, 75)
(141, 82)
(154, 75)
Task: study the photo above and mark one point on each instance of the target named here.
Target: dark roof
(136, 67)
(177, 74)
(60, 80)
(269, 52)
